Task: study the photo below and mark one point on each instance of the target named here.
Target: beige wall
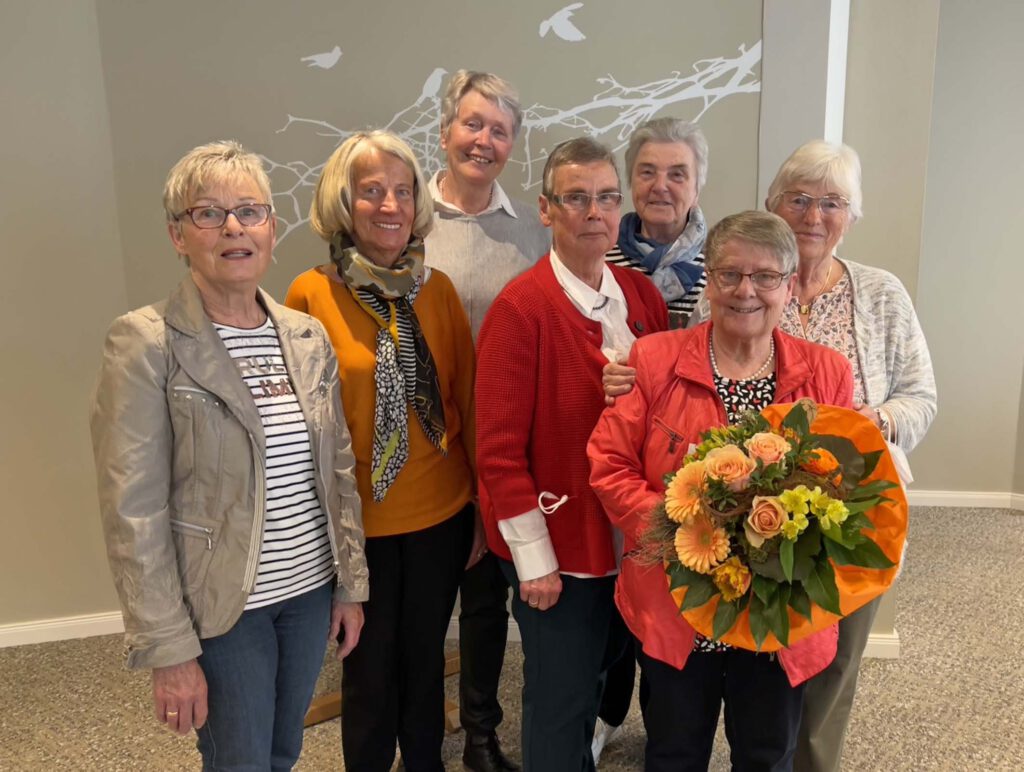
(971, 272)
(63, 280)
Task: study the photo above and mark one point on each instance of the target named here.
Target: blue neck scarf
(679, 255)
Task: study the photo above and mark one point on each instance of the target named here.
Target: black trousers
(483, 632)
(393, 682)
(681, 707)
(621, 673)
(564, 654)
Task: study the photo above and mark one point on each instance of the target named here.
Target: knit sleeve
(506, 380)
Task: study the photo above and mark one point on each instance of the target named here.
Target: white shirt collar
(581, 293)
(499, 199)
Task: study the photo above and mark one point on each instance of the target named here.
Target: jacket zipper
(181, 525)
(674, 438)
(323, 483)
(257, 520)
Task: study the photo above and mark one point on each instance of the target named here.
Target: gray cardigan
(893, 353)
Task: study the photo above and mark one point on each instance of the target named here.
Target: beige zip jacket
(180, 460)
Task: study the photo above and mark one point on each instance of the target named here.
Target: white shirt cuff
(530, 543)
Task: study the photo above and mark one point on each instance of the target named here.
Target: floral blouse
(829, 324)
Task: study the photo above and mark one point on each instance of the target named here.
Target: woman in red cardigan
(538, 390)
(688, 381)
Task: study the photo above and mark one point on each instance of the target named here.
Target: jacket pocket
(195, 541)
(198, 418)
(675, 439)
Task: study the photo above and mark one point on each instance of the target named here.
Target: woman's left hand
(350, 617)
(869, 412)
(479, 547)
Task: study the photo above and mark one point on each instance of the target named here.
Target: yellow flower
(683, 495)
(732, 579)
(795, 501)
(794, 527)
(700, 546)
(819, 501)
(836, 512)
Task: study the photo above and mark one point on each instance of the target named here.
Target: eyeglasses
(580, 202)
(248, 215)
(726, 279)
(831, 205)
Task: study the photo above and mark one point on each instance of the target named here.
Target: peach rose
(765, 520)
(730, 465)
(768, 447)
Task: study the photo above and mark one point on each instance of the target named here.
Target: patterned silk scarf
(404, 372)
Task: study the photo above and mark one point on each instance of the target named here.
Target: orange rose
(730, 465)
(765, 520)
(683, 495)
(823, 463)
(732, 579)
(768, 447)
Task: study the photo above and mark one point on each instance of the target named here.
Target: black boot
(483, 754)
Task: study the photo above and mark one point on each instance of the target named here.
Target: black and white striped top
(295, 555)
(679, 309)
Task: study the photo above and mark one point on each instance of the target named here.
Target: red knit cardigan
(538, 397)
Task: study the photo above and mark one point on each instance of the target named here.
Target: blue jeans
(260, 677)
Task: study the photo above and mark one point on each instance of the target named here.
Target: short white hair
(835, 165)
(670, 130)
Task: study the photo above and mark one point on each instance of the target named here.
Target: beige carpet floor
(954, 700)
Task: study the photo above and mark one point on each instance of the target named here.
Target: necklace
(805, 308)
(442, 188)
(752, 376)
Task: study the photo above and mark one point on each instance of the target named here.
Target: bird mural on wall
(324, 61)
(432, 85)
(561, 24)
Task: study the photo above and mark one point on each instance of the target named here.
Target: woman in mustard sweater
(405, 354)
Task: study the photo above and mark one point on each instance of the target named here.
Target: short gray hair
(488, 85)
(331, 210)
(582, 150)
(833, 164)
(206, 166)
(670, 130)
(761, 229)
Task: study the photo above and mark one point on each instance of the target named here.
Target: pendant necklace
(805, 308)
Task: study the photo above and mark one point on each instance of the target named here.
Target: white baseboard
(883, 645)
(971, 499)
(61, 629)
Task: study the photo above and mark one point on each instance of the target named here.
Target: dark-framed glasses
(727, 279)
(580, 202)
(798, 202)
(210, 216)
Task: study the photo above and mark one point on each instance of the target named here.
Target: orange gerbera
(683, 495)
(823, 463)
(700, 546)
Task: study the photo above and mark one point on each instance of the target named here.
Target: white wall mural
(609, 115)
(561, 24)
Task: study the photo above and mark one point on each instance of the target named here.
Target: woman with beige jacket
(225, 479)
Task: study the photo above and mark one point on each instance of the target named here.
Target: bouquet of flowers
(771, 531)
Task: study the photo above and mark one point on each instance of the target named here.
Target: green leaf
(796, 420)
(764, 588)
(798, 600)
(758, 622)
(805, 551)
(821, 587)
(697, 594)
(871, 489)
(725, 618)
(864, 555)
(681, 576)
(871, 461)
(786, 558)
(835, 533)
(856, 507)
(777, 615)
(769, 567)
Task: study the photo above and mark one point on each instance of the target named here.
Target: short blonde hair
(761, 229)
(331, 210)
(208, 165)
(832, 164)
(487, 85)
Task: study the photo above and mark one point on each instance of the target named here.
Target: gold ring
(172, 713)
